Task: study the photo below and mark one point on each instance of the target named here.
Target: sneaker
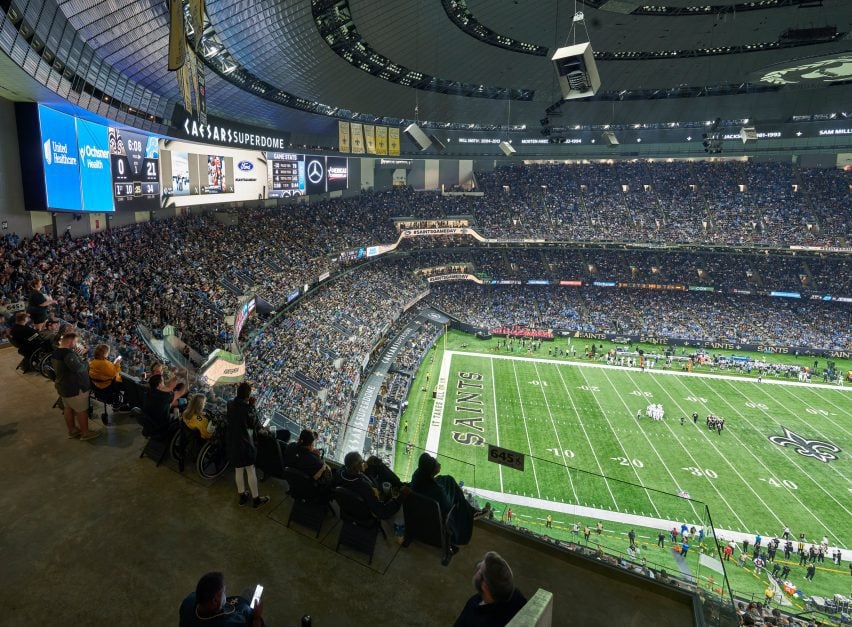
(260, 501)
(74, 434)
(91, 434)
(244, 498)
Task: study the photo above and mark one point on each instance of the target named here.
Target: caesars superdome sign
(226, 133)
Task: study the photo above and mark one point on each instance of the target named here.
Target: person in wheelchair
(25, 338)
(105, 375)
(194, 419)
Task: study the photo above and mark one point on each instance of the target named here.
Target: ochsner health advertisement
(95, 175)
(61, 159)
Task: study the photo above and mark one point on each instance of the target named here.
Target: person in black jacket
(72, 384)
(497, 600)
(352, 477)
(243, 427)
(303, 455)
(25, 338)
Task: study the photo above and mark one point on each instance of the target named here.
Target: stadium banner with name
(201, 94)
(357, 139)
(443, 278)
(381, 140)
(440, 231)
(393, 142)
(343, 136)
(661, 340)
(370, 139)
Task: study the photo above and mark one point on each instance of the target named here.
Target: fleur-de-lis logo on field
(823, 451)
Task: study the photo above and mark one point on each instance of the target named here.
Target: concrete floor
(92, 535)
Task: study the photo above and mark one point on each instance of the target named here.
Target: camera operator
(72, 384)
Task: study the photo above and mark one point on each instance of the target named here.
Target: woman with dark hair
(243, 427)
(451, 500)
(37, 304)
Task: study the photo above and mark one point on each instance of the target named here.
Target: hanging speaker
(416, 135)
(507, 149)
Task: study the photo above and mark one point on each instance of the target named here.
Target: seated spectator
(378, 473)
(303, 455)
(72, 384)
(352, 477)
(158, 402)
(444, 489)
(105, 374)
(210, 605)
(497, 600)
(193, 416)
(24, 336)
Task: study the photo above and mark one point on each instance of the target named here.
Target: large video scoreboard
(286, 174)
(134, 158)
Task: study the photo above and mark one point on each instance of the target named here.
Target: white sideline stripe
(434, 435)
(496, 420)
(654, 371)
(630, 519)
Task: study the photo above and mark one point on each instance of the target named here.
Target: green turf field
(577, 424)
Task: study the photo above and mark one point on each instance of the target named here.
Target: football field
(782, 459)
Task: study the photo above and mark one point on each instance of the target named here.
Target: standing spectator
(211, 606)
(37, 304)
(72, 384)
(243, 426)
(548, 521)
(497, 600)
(509, 515)
(811, 572)
(661, 540)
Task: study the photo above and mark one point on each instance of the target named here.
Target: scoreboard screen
(135, 170)
(286, 175)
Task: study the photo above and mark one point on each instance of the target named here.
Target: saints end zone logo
(823, 451)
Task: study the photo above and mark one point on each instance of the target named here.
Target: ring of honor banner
(357, 139)
(370, 139)
(381, 140)
(393, 142)
(343, 137)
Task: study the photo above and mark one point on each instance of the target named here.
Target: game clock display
(135, 170)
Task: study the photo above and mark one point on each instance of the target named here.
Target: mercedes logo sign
(315, 172)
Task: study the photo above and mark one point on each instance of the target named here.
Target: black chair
(270, 456)
(424, 523)
(359, 527)
(108, 397)
(159, 436)
(310, 505)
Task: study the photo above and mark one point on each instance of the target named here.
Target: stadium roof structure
(458, 64)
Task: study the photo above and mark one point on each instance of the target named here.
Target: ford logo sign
(245, 166)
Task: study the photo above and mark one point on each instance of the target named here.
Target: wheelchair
(36, 361)
(210, 454)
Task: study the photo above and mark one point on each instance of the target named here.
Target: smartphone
(117, 359)
(256, 596)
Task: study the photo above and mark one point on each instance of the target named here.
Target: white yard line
(654, 448)
(718, 452)
(664, 524)
(588, 439)
(555, 430)
(817, 416)
(524, 417)
(770, 473)
(816, 391)
(496, 420)
(621, 445)
(434, 436)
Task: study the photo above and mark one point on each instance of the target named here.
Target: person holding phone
(211, 606)
(243, 427)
